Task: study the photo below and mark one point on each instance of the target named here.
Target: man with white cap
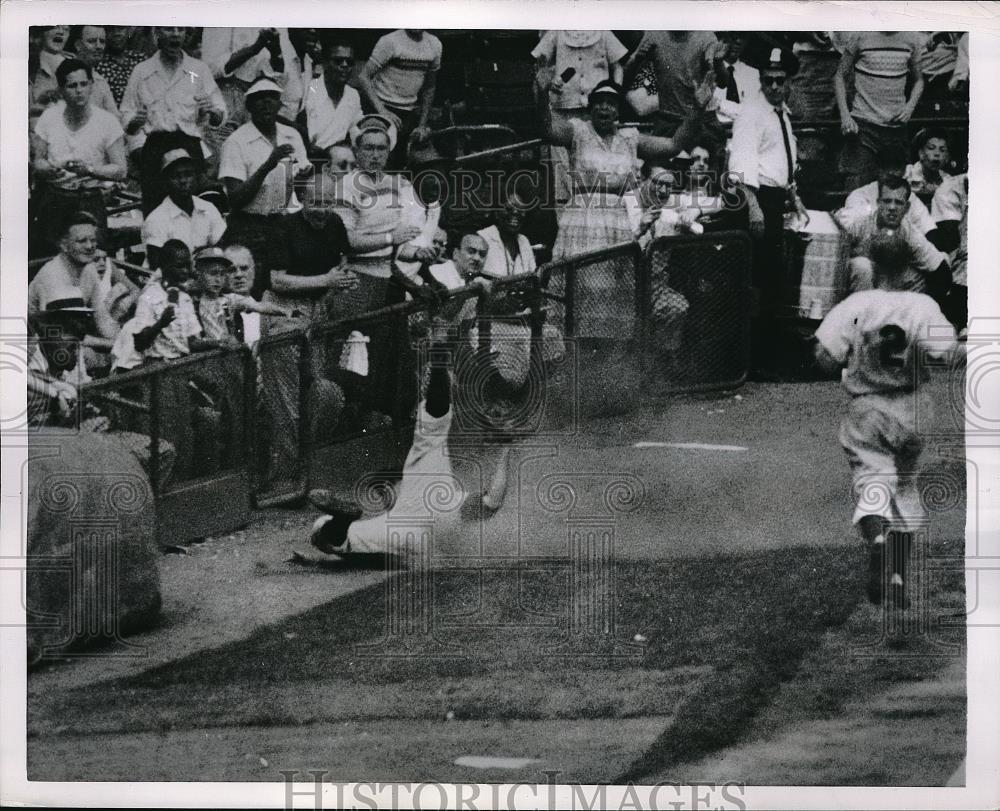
(762, 159)
(260, 163)
(182, 215)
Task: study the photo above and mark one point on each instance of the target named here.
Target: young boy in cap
(217, 309)
(875, 336)
(182, 215)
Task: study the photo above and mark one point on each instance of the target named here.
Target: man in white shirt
(171, 100)
(762, 159)
(863, 201)
(743, 82)
(927, 174)
(171, 91)
(182, 215)
(332, 106)
(260, 164)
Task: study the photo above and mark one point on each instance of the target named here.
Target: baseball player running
(874, 336)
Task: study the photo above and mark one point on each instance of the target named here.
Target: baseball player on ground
(874, 336)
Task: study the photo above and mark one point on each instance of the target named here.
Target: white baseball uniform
(876, 334)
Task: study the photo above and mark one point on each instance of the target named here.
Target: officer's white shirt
(757, 149)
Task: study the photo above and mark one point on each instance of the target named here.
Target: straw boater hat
(374, 123)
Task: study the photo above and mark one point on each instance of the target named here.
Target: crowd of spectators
(269, 167)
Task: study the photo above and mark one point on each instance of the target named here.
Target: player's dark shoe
(329, 534)
(876, 574)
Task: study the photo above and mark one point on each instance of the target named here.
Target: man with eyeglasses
(332, 106)
(762, 161)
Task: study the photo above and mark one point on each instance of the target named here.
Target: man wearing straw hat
(259, 165)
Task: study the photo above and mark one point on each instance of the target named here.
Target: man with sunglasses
(762, 161)
(332, 106)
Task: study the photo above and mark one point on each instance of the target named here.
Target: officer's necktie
(788, 145)
(732, 91)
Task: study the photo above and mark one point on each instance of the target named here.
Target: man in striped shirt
(881, 62)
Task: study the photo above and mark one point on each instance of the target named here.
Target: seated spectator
(882, 63)
(195, 222)
(55, 352)
(661, 209)
(79, 150)
(118, 60)
(87, 42)
(950, 208)
(863, 201)
(170, 101)
(510, 252)
(332, 107)
(242, 271)
(167, 323)
(260, 164)
(928, 270)
(927, 173)
(80, 271)
(399, 80)
(340, 161)
(217, 309)
(43, 86)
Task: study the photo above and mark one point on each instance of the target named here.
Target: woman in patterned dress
(604, 163)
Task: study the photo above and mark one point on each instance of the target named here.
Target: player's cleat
(876, 573)
(329, 535)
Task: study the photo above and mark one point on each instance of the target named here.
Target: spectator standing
(118, 61)
(399, 80)
(311, 279)
(927, 174)
(763, 155)
(959, 81)
(881, 62)
(171, 100)
(742, 85)
(332, 107)
(238, 57)
(594, 57)
(604, 162)
(303, 63)
(688, 69)
(927, 269)
(43, 86)
(182, 215)
(78, 151)
(88, 42)
(260, 162)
